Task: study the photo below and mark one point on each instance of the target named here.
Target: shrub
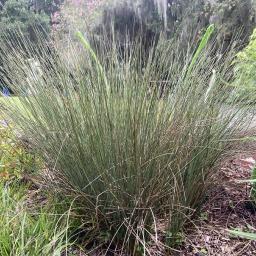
(245, 71)
(134, 139)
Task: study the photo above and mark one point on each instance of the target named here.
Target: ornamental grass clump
(132, 136)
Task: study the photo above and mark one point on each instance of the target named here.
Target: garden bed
(227, 207)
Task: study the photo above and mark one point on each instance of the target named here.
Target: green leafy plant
(18, 15)
(246, 235)
(15, 160)
(24, 231)
(245, 66)
(132, 138)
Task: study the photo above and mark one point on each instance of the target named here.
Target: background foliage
(182, 16)
(19, 15)
(246, 67)
(245, 70)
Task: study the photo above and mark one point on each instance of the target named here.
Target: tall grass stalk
(134, 137)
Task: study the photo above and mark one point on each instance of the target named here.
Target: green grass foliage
(26, 228)
(133, 137)
(25, 231)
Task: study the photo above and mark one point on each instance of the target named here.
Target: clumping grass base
(133, 137)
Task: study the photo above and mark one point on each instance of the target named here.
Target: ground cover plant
(31, 222)
(132, 137)
(15, 160)
(29, 232)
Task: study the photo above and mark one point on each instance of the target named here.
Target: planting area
(37, 222)
(130, 141)
(228, 206)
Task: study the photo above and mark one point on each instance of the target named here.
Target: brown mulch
(228, 207)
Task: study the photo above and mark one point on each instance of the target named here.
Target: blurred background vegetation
(186, 19)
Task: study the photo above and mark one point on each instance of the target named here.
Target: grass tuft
(26, 232)
(133, 137)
